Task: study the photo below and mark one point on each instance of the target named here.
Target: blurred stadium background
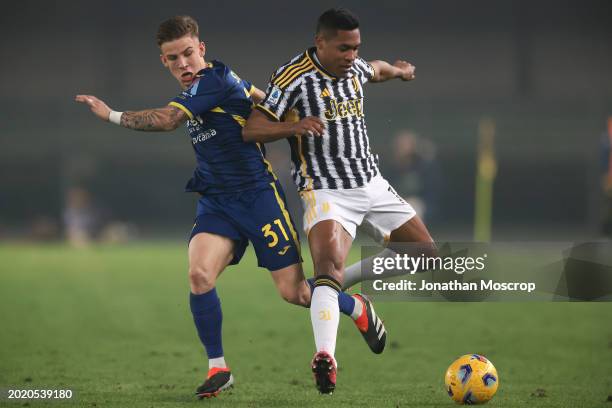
(541, 71)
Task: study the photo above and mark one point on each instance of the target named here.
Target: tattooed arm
(160, 119)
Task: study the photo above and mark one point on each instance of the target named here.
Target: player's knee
(299, 296)
(290, 297)
(201, 279)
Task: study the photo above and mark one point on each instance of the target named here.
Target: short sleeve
(278, 100)
(248, 86)
(207, 92)
(364, 69)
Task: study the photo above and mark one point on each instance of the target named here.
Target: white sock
(217, 362)
(363, 270)
(325, 316)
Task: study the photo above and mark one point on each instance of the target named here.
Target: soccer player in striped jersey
(333, 168)
(241, 199)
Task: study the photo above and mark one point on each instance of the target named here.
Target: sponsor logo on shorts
(284, 250)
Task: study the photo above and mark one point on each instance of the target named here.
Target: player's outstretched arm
(259, 128)
(159, 119)
(383, 71)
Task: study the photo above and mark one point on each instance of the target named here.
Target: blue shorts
(259, 216)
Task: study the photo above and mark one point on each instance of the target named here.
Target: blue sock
(207, 316)
(310, 283)
(346, 302)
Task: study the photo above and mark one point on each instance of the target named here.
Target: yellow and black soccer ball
(471, 379)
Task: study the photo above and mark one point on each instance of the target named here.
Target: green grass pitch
(113, 325)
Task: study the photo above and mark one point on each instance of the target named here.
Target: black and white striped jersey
(341, 158)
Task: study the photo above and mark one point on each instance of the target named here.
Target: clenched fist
(406, 70)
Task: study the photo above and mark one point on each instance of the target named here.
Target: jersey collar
(200, 73)
(311, 54)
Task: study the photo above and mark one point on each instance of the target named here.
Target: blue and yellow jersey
(218, 104)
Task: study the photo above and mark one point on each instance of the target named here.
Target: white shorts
(376, 207)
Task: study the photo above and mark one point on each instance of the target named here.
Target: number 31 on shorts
(269, 232)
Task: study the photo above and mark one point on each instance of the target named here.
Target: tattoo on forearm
(167, 118)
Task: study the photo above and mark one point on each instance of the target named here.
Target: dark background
(541, 69)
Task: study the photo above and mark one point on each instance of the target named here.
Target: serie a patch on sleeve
(275, 95)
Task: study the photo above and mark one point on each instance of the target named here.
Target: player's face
(184, 57)
(338, 52)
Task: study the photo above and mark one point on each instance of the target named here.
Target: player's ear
(320, 40)
(202, 49)
(164, 60)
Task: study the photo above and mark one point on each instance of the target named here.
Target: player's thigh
(388, 213)
(219, 230)
(329, 246)
(413, 230)
(347, 207)
(209, 254)
(292, 285)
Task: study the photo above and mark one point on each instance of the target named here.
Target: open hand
(97, 106)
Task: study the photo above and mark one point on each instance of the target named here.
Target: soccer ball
(471, 379)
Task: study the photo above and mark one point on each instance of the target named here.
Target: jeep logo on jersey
(345, 109)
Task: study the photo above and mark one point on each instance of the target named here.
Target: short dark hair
(336, 19)
(175, 28)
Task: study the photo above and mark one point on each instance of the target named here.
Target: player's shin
(325, 313)
(207, 317)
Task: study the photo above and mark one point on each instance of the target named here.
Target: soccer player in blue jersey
(241, 199)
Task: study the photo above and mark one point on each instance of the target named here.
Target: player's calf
(292, 285)
(329, 246)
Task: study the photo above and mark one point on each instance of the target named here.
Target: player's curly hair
(336, 19)
(176, 27)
